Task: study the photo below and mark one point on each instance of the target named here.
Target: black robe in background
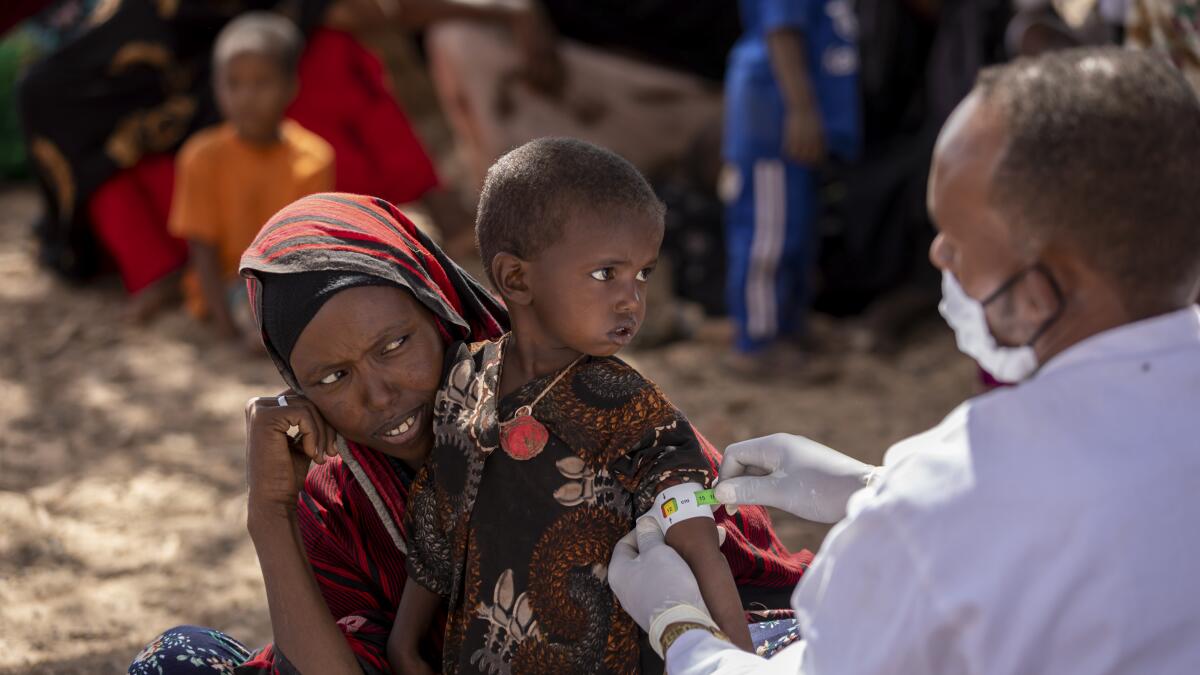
(694, 36)
(914, 70)
(135, 83)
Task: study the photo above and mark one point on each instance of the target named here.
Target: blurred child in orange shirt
(230, 179)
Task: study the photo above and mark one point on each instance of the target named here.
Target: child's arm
(803, 135)
(417, 607)
(695, 540)
(207, 263)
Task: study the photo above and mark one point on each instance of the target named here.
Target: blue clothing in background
(754, 104)
(771, 247)
(772, 202)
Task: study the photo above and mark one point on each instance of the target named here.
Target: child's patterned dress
(520, 547)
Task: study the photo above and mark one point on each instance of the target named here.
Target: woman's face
(371, 361)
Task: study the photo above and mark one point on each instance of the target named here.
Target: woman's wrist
(262, 518)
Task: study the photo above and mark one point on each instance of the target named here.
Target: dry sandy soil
(121, 456)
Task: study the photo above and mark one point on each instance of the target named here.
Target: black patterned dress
(520, 547)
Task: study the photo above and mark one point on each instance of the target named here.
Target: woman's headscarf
(356, 236)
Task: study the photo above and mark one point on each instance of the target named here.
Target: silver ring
(293, 431)
(282, 401)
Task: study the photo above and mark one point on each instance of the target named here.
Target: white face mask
(966, 316)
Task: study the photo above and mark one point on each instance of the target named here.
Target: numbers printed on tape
(682, 502)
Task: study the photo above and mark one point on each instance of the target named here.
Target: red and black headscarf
(325, 243)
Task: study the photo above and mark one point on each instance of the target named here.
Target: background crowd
(820, 161)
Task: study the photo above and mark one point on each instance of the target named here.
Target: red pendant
(523, 437)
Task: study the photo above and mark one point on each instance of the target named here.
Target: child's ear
(511, 275)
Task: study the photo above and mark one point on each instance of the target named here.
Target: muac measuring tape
(683, 502)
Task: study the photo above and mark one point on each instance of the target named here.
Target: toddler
(547, 447)
(232, 178)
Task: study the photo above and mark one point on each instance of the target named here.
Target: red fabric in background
(344, 98)
(129, 216)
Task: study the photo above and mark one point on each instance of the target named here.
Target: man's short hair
(532, 191)
(263, 33)
(1103, 155)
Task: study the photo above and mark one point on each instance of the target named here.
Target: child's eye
(603, 274)
(394, 344)
(333, 377)
(644, 275)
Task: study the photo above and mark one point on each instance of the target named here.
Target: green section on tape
(706, 497)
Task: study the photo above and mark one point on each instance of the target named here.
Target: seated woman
(357, 307)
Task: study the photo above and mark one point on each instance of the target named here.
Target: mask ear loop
(1058, 296)
(1006, 286)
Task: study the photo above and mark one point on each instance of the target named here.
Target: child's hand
(224, 325)
(228, 331)
(410, 664)
(252, 344)
(417, 607)
(803, 136)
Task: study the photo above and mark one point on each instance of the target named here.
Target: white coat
(1052, 527)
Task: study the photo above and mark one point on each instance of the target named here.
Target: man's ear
(1051, 280)
(511, 275)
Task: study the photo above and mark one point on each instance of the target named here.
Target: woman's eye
(394, 344)
(332, 377)
(644, 275)
(603, 274)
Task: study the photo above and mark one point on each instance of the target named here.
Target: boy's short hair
(265, 33)
(531, 192)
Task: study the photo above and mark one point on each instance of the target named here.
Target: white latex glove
(654, 584)
(792, 473)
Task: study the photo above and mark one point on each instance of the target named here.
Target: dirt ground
(122, 500)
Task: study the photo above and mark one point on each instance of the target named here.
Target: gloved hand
(654, 584)
(791, 473)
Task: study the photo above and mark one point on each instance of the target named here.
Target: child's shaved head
(532, 191)
(263, 34)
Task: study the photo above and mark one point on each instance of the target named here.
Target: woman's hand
(277, 461)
